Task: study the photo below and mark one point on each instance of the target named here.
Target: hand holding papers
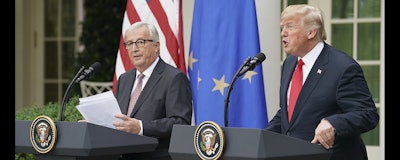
(100, 109)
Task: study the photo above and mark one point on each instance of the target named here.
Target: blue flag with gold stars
(224, 34)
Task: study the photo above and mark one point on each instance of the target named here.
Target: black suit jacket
(165, 100)
(336, 90)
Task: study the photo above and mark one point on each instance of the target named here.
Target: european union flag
(225, 34)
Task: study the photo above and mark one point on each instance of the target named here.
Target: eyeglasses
(139, 43)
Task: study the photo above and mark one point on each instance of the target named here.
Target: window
(356, 30)
(60, 46)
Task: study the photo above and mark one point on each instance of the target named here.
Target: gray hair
(313, 18)
(152, 30)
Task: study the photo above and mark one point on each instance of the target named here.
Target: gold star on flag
(248, 75)
(191, 60)
(220, 85)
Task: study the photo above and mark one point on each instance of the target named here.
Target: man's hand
(324, 134)
(130, 125)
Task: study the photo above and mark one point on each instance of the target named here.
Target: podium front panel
(79, 139)
(248, 144)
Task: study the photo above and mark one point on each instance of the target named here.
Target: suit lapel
(313, 78)
(127, 92)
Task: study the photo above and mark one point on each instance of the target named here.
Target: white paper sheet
(99, 109)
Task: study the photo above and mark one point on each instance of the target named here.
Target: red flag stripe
(124, 55)
(162, 19)
(166, 15)
(131, 13)
(181, 53)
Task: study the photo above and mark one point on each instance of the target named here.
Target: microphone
(248, 64)
(88, 72)
(81, 75)
(256, 60)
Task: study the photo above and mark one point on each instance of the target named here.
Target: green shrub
(51, 110)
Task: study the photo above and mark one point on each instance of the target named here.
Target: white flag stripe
(169, 16)
(119, 67)
(172, 11)
(145, 13)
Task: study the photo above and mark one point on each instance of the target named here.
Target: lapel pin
(319, 71)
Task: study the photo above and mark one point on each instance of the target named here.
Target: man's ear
(311, 34)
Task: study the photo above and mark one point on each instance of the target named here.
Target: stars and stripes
(166, 15)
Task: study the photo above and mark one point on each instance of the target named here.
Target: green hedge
(51, 110)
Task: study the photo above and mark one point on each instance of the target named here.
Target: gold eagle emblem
(208, 137)
(42, 130)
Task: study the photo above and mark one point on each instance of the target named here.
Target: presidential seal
(43, 134)
(209, 140)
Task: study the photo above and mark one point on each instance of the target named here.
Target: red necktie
(297, 83)
(135, 94)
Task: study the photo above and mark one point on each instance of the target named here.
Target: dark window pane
(342, 9)
(369, 8)
(342, 37)
(51, 91)
(371, 137)
(68, 51)
(50, 18)
(372, 74)
(368, 41)
(64, 87)
(290, 2)
(50, 63)
(68, 18)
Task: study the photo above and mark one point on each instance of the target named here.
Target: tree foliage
(101, 32)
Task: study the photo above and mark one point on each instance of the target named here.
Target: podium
(245, 143)
(84, 141)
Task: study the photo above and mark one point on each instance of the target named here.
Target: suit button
(288, 133)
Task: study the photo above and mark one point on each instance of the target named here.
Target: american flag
(166, 15)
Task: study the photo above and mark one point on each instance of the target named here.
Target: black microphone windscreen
(260, 57)
(95, 66)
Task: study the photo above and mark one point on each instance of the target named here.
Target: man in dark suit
(334, 105)
(166, 96)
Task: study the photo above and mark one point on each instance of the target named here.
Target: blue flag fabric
(225, 34)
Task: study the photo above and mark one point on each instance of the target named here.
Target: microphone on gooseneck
(82, 74)
(248, 65)
(88, 72)
(256, 60)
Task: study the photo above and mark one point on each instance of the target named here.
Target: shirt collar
(150, 69)
(310, 58)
